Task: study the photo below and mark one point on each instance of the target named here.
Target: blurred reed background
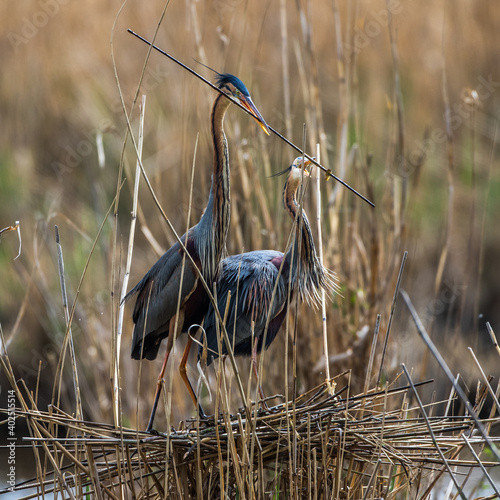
(435, 196)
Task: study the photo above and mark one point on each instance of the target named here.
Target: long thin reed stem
(117, 344)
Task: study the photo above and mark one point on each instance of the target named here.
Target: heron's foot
(203, 416)
(263, 410)
(208, 421)
(152, 431)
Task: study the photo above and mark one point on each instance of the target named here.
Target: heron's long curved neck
(214, 223)
(304, 256)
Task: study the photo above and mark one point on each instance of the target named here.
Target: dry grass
(373, 94)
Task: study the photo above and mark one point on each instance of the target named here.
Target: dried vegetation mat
(380, 444)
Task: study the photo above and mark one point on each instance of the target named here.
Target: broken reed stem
(117, 344)
(69, 338)
(451, 396)
(320, 256)
(372, 352)
(372, 479)
(493, 337)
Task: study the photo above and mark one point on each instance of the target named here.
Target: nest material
(318, 446)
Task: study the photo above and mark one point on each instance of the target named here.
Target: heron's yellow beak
(248, 104)
(304, 164)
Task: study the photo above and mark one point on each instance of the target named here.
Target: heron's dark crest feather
(225, 79)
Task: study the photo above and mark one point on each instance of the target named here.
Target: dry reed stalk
(62, 279)
(115, 367)
(391, 315)
(486, 381)
(493, 337)
(168, 395)
(343, 115)
(372, 353)
(60, 365)
(493, 483)
(400, 159)
(450, 169)
(320, 256)
(287, 114)
(115, 352)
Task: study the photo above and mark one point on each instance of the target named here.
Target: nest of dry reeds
(322, 444)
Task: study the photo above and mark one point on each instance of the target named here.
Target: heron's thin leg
(254, 365)
(170, 343)
(183, 372)
(158, 390)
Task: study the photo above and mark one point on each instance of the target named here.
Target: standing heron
(251, 278)
(156, 308)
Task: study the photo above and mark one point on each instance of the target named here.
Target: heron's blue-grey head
(234, 87)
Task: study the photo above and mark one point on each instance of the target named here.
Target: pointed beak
(305, 166)
(248, 104)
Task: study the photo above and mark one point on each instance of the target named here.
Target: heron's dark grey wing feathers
(157, 297)
(251, 278)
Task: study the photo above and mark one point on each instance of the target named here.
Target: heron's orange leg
(183, 372)
(256, 374)
(170, 343)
